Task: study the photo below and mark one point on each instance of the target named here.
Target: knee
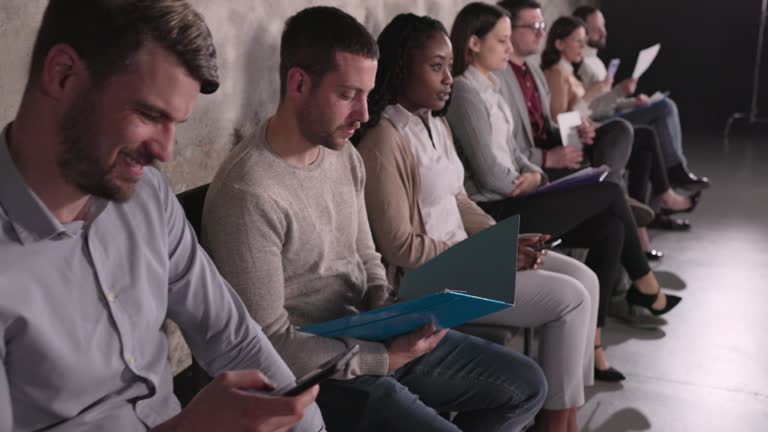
(532, 385)
(611, 189)
(588, 281)
(572, 295)
(388, 389)
(669, 106)
(622, 130)
(582, 273)
(618, 132)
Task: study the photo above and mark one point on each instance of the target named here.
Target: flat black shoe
(609, 375)
(668, 223)
(636, 298)
(694, 202)
(680, 177)
(654, 255)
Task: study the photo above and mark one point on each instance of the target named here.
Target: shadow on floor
(670, 280)
(623, 420)
(621, 333)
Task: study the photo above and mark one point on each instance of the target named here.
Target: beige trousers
(560, 299)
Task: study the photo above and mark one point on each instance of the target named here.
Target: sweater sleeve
(473, 217)
(388, 199)
(244, 232)
(471, 127)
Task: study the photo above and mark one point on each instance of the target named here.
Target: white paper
(568, 122)
(657, 97)
(645, 59)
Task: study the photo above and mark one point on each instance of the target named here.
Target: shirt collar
(400, 116)
(480, 81)
(29, 217)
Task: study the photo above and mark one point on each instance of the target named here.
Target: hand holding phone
(319, 374)
(549, 244)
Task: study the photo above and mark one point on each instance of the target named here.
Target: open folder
(472, 279)
(445, 310)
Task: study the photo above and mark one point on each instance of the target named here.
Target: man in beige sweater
(285, 221)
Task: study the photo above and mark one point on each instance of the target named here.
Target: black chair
(187, 383)
(192, 201)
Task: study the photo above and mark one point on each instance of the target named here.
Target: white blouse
(440, 170)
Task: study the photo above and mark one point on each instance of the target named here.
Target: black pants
(646, 166)
(595, 217)
(612, 147)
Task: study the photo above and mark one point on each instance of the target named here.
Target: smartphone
(613, 66)
(319, 374)
(549, 244)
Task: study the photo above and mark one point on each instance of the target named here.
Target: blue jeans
(491, 387)
(665, 119)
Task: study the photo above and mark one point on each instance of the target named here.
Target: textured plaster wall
(247, 35)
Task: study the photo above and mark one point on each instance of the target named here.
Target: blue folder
(583, 177)
(482, 265)
(445, 310)
(472, 279)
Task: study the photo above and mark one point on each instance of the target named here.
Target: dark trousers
(664, 118)
(646, 166)
(612, 147)
(595, 217)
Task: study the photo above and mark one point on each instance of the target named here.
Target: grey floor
(707, 369)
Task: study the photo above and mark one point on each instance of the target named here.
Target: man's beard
(80, 162)
(311, 126)
(597, 44)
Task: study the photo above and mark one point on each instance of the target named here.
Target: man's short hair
(107, 33)
(312, 38)
(584, 12)
(515, 6)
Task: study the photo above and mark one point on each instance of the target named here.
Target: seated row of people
(305, 207)
(565, 45)
(294, 220)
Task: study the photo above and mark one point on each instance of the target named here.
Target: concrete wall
(247, 36)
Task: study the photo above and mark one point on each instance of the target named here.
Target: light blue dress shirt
(82, 307)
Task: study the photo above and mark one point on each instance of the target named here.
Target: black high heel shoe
(636, 298)
(608, 375)
(694, 202)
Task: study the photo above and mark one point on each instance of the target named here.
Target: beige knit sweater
(296, 246)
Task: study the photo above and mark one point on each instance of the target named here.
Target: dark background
(707, 53)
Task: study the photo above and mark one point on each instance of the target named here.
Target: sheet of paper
(568, 122)
(645, 59)
(656, 97)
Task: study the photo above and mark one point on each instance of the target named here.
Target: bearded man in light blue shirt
(95, 251)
